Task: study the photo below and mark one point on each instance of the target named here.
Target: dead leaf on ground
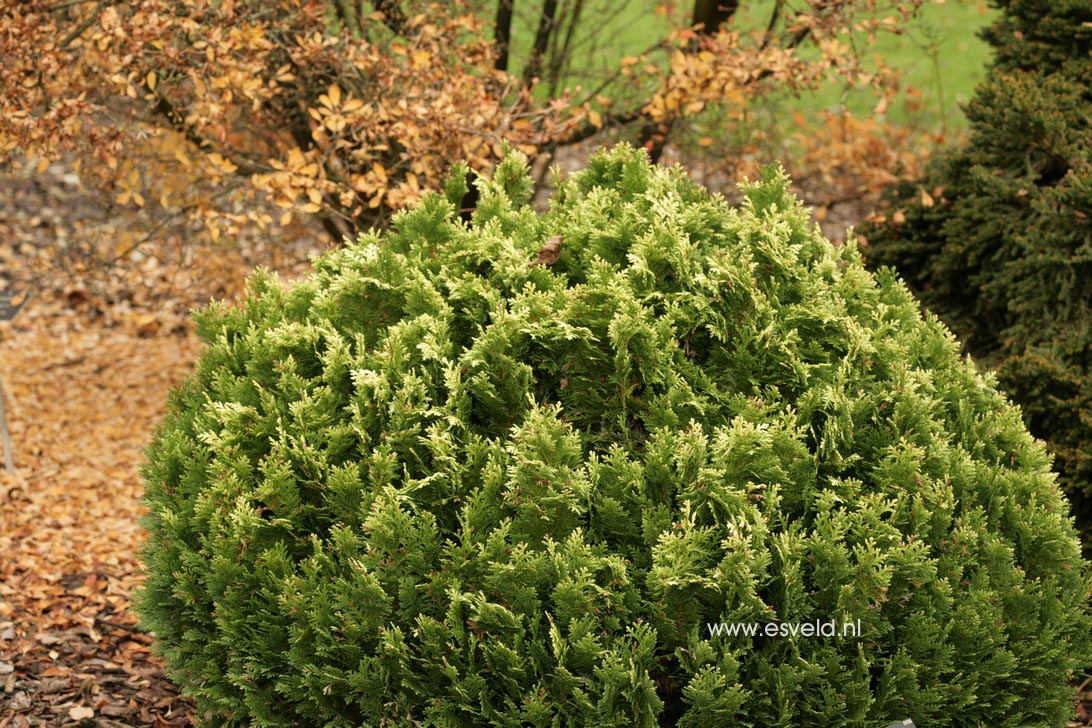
(81, 712)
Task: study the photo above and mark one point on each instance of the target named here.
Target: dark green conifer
(508, 473)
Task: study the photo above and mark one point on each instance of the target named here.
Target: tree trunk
(502, 33)
(542, 41)
(710, 15)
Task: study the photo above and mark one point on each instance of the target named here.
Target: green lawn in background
(607, 32)
(941, 54)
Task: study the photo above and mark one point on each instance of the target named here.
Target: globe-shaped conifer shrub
(553, 469)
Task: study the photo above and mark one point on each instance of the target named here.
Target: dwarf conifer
(517, 471)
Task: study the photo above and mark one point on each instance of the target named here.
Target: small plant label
(902, 724)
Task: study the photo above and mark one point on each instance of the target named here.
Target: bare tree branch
(82, 28)
(561, 55)
(542, 40)
(775, 15)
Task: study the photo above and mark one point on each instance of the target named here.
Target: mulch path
(81, 402)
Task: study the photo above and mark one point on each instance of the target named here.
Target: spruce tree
(997, 238)
(516, 471)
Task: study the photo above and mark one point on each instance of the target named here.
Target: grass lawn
(940, 56)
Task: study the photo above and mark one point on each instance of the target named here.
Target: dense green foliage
(456, 479)
(1003, 254)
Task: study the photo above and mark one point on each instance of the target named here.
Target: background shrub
(996, 238)
(505, 473)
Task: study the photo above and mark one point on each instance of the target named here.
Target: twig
(775, 15)
(70, 4)
(82, 27)
(170, 218)
(118, 625)
(546, 25)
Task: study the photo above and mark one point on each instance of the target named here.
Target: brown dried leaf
(81, 712)
(550, 252)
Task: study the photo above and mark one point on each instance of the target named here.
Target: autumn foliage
(348, 111)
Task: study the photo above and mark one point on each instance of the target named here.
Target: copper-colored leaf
(550, 251)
